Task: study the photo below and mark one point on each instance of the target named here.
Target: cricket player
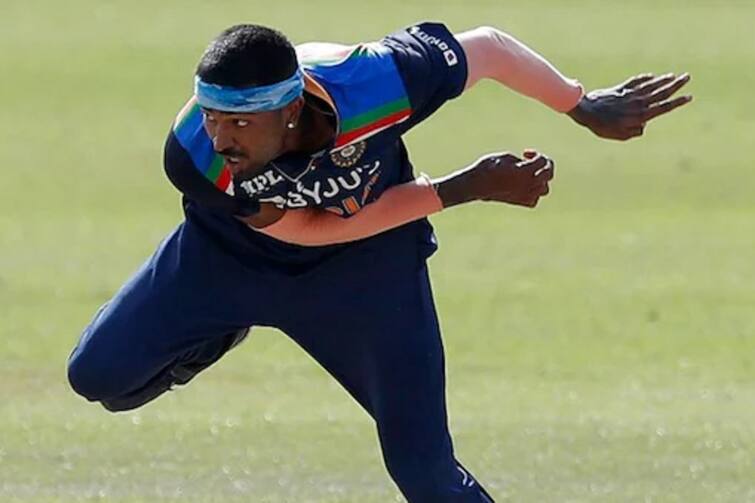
(303, 212)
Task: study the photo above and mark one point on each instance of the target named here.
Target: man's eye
(208, 117)
(241, 123)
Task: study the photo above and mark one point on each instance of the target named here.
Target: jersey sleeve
(197, 171)
(432, 65)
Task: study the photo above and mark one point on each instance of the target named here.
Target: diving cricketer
(303, 213)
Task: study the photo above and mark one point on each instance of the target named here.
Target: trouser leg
(378, 334)
(179, 313)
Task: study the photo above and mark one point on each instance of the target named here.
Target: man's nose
(222, 140)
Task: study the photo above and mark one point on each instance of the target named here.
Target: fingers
(655, 83)
(635, 132)
(539, 165)
(655, 102)
(669, 90)
(507, 156)
(533, 198)
(635, 81)
(543, 170)
(544, 177)
(522, 182)
(498, 158)
(546, 172)
(541, 188)
(666, 107)
(534, 162)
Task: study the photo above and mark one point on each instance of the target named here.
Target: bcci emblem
(349, 155)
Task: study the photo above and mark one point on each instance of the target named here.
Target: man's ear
(292, 111)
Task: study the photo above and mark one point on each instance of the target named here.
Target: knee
(91, 383)
(92, 367)
(84, 376)
(90, 379)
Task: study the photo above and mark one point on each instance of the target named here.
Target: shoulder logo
(349, 155)
(451, 58)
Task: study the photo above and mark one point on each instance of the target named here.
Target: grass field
(600, 348)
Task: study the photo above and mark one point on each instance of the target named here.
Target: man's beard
(249, 172)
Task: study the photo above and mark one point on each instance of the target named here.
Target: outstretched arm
(618, 113)
(493, 54)
(497, 177)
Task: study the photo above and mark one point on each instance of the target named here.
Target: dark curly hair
(247, 55)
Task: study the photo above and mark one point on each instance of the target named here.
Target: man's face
(247, 141)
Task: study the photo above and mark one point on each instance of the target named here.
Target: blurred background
(599, 348)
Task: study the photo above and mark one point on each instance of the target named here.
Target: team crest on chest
(349, 155)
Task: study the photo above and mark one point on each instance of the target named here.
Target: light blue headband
(249, 99)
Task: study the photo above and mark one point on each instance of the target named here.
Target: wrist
(579, 113)
(455, 188)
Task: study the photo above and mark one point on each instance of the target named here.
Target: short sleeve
(193, 167)
(432, 65)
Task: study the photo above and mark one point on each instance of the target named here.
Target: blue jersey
(378, 91)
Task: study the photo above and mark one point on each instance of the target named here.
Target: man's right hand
(500, 177)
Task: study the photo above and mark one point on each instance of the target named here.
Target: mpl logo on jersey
(451, 58)
(260, 183)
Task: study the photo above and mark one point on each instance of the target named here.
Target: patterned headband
(249, 99)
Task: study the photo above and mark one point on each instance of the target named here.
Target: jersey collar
(293, 166)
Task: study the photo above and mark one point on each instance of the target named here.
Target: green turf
(600, 348)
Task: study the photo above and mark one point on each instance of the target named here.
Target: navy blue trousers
(366, 315)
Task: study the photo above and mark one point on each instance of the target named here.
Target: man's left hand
(623, 111)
